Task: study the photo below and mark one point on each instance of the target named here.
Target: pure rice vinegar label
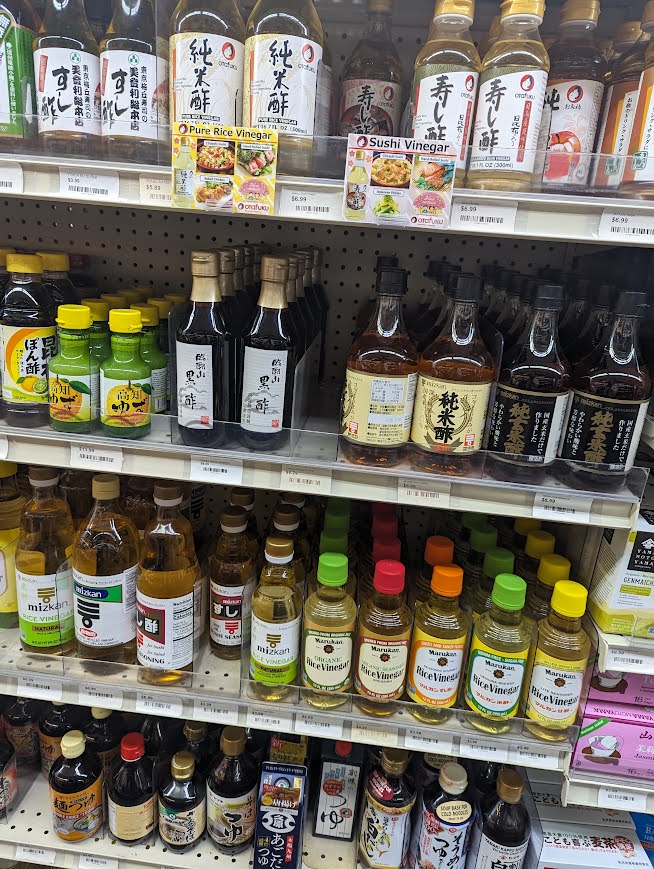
(206, 79)
(449, 417)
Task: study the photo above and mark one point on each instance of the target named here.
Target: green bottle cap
(473, 520)
(333, 541)
(498, 560)
(339, 505)
(332, 569)
(483, 539)
(509, 592)
(337, 523)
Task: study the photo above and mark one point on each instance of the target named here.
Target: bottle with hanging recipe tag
(386, 824)
(232, 786)
(76, 790)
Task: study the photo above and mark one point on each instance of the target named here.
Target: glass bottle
(311, 321)
(595, 327)
(54, 723)
(328, 631)
(17, 93)
(298, 322)
(152, 355)
(286, 523)
(125, 379)
(12, 505)
(506, 827)
(233, 317)
(537, 544)
(551, 569)
(196, 742)
(103, 732)
(243, 303)
(445, 80)
(67, 71)
(447, 816)
(638, 172)
(130, 794)
(371, 91)
(438, 551)
(21, 728)
(496, 560)
(245, 498)
(74, 378)
(138, 504)
(367, 309)
(43, 580)
(75, 489)
(168, 572)
(232, 787)
(99, 336)
(382, 362)
(389, 798)
(183, 187)
(75, 781)
(182, 805)
(55, 278)
(455, 375)
(512, 84)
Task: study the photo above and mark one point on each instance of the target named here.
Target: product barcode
(6, 184)
(162, 196)
(480, 218)
(94, 191)
(312, 209)
(632, 230)
(556, 509)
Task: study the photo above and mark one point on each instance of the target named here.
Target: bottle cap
(162, 305)
(337, 523)
(105, 487)
(226, 260)
(204, 264)
(286, 518)
(385, 526)
(449, 273)
(391, 282)
(232, 740)
(234, 520)
(627, 33)
(439, 550)
(465, 288)
(275, 269)
(394, 760)
(579, 287)
(509, 592)
(553, 568)
(483, 539)
(54, 262)
(473, 520)
(73, 743)
(523, 7)
(4, 253)
(539, 543)
(380, 7)
(549, 296)
(603, 298)
(510, 786)
(392, 262)
(279, 550)
(647, 17)
(143, 292)
(631, 304)
(453, 778)
(342, 506)
(99, 713)
(24, 264)
(447, 580)
(114, 300)
(386, 549)
(239, 256)
(460, 8)
(569, 599)
(360, 155)
(579, 10)
(524, 525)
(389, 576)
(99, 310)
(296, 498)
(167, 494)
(333, 541)
(343, 748)
(434, 269)
(8, 469)
(489, 270)
(182, 765)
(133, 297)
(132, 746)
(381, 508)
(125, 321)
(242, 498)
(498, 560)
(178, 298)
(332, 569)
(195, 731)
(73, 317)
(504, 278)
(149, 313)
(40, 477)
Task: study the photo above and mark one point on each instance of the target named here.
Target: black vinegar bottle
(611, 389)
(531, 396)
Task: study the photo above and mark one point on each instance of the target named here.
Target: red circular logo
(527, 83)
(389, 93)
(470, 83)
(575, 93)
(362, 141)
(333, 787)
(308, 53)
(229, 51)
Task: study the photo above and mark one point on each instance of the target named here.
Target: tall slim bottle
(638, 177)
(17, 91)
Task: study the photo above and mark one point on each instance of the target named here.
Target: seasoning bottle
(637, 171)
(232, 787)
(384, 547)
(103, 732)
(138, 502)
(21, 727)
(551, 569)
(182, 805)
(105, 560)
(496, 560)
(560, 661)
(506, 826)
(330, 617)
(152, 355)
(389, 799)
(482, 539)
(333, 542)
(538, 544)
(55, 278)
(447, 818)
(233, 577)
(595, 327)
(245, 498)
(99, 336)
(125, 379)
(455, 374)
(9, 790)
(468, 521)
(371, 91)
(18, 92)
(438, 646)
(286, 523)
(380, 382)
(76, 790)
(12, 505)
(384, 634)
(74, 378)
(518, 537)
(54, 723)
(196, 742)
(130, 794)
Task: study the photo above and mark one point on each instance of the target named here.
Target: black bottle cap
(391, 282)
(519, 285)
(580, 288)
(547, 273)
(531, 287)
(386, 262)
(448, 273)
(549, 296)
(434, 269)
(603, 297)
(466, 288)
(504, 277)
(631, 304)
(489, 272)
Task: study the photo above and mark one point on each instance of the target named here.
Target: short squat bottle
(232, 794)
(54, 724)
(76, 790)
(131, 798)
(182, 804)
(125, 380)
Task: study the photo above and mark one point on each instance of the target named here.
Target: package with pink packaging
(616, 739)
(616, 687)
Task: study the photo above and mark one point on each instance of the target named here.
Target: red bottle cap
(343, 748)
(384, 526)
(382, 508)
(389, 577)
(132, 746)
(386, 548)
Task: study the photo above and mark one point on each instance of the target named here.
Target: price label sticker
(96, 458)
(626, 661)
(11, 177)
(616, 798)
(527, 755)
(616, 225)
(4, 446)
(314, 725)
(365, 733)
(44, 856)
(41, 687)
(421, 740)
(99, 695)
(153, 704)
(321, 204)
(423, 493)
(226, 472)
(98, 186)
(155, 190)
(90, 861)
(574, 508)
(490, 216)
(314, 480)
(264, 720)
(215, 712)
(476, 746)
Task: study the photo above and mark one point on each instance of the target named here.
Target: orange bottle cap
(447, 579)
(439, 550)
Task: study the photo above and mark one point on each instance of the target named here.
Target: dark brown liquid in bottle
(233, 777)
(132, 787)
(81, 778)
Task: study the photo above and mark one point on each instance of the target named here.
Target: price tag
(150, 704)
(618, 225)
(298, 479)
(155, 190)
(90, 861)
(36, 855)
(371, 736)
(527, 755)
(96, 458)
(614, 798)
(314, 725)
(215, 712)
(11, 177)
(322, 204)
(422, 740)
(625, 661)
(4, 447)
(226, 472)
(489, 216)
(41, 687)
(95, 185)
(476, 746)
(423, 493)
(96, 695)
(264, 720)
(575, 508)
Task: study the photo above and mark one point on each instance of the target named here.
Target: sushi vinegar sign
(219, 168)
(393, 181)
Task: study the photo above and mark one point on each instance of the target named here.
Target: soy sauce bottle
(505, 826)
(182, 804)
(53, 726)
(103, 734)
(76, 790)
(232, 794)
(389, 798)
(130, 793)
(22, 730)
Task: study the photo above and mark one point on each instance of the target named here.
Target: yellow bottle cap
(579, 10)
(143, 292)
(73, 743)
(552, 569)
(163, 306)
(7, 469)
(125, 320)
(465, 8)
(149, 314)
(523, 7)
(4, 251)
(569, 599)
(523, 525)
(176, 298)
(98, 308)
(114, 300)
(99, 713)
(133, 297)
(74, 317)
(539, 543)
(24, 263)
(54, 262)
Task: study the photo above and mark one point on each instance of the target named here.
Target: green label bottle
(74, 378)
(99, 337)
(151, 354)
(18, 26)
(125, 379)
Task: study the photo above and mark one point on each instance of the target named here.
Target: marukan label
(615, 133)
(67, 90)
(435, 669)
(494, 679)
(444, 102)
(370, 107)
(206, 79)
(555, 689)
(381, 666)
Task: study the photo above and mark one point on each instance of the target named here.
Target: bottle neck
(272, 296)
(520, 27)
(464, 322)
(149, 338)
(451, 27)
(623, 341)
(106, 505)
(167, 513)
(205, 289)
(378, 28)
(578, 30)
(508, 618)
(388, 601)
(331, 594)
(125, 347)
(565, 624)
(73, 344)
(543, 331)
(443, 603)
(299, 286)
(237, 278)
(55, 9)
(388, 318)
(226, 285)
(44, 493)
(55, 276)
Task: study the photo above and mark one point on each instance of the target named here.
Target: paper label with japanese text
(614, 134)
(230, 820)
(445, 834)
(555, 689)
(641, 144)
(527, 425)
(264, 389)
(164, 631)
(384, 833)
(67, 90)
(444, 102)
(449, 417)
(435, 669)
(494, 679)
(206, 78)
(25, 356)
(45, 608)
(132, 101)
(194, 385)
(125, 403)
(105, 608)
(370, 106)
(377, 410)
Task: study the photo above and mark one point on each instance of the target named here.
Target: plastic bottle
(481, 541)
(76, 790)
(74, 377)
(232, 787)
(196, 741)
(551, 569)
(496, 561)
(54, 723)
(103, 732)
(21, 719)
(538, 543)
(125, 381)
(152, 355)
(130, 794)
(506, 827)
(447, 818)
(99, 336)
(439, 550)
(182, 805)
(12, 505)
(389, 798)
(55, 278)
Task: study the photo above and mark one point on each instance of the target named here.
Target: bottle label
(494, 680)
(25, 740)
(281, 82)
(230, 820)
(25, 355)
(615, 133)
(377, 410)
(641, 165)
(78, 815)
(131, 822)
(264, 389)
(74, 399)
(8, 784)
(182, 828)
(194, 385)
(384, 833)
(50, 750)
(381, 665)
(107, 759)
(184, 182)
(207, 79)
(602, 430)
(105, 608)
(435, 669)
(45, 608)
(356, 197)
(338, 799)
(16, 78)
(231, 613)
(274, 651)
(158, 379)
(124, 404)
(492, 855)
(8, 598)
(327, 660)
(527, 424)
(370, 107)
(67, 91)
(555, 689)
(507, 123)
(132, 101)
(164, 631)
(445, 834)
(449, 417)
(444, 102)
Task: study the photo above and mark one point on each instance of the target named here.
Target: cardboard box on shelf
(568, 846)
(645, 831)
(616, 739)
(547, 797)
(616, 687)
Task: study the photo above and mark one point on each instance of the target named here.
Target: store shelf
(615, 792)
(624, 654)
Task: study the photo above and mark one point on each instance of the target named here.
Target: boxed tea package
(616, 739)
(611, 686)
(645, 831)
(568, 846)
(547, 798)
